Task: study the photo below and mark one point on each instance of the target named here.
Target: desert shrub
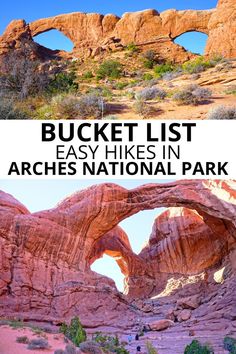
(63, 82)
(74, 331)
(230, 344)
(150, 55)
(222, 112)
(15, 324)
(87, 75)
(151, 93)
(38, 343)
(133, 48)
(70, 349)
(143, 109)
(192, 95)
(111, 69)
(130, 93)
(121, 85)
(8, 110)
(149, 59)
(150, 348)
(147, 77)
(111, 117)
(91, 347)
(168, 76)
(163, 68)
(151, 82)
(231, 90)
(195, 76)
(184, 97)
(22, 339)
(102, 91)
(197, 348)
(109, 343)
(148, 64)
(46, 111)
(20, 75)
(65, 107)
(91, 106)
(200, 64)
(202, 93)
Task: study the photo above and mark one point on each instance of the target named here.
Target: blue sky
(39, 195)
(32, 10)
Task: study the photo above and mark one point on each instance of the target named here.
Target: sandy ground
(8, 344)
(217, 82)
(169, 110)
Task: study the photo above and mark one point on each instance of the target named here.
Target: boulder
(184, 315)
(160, 325)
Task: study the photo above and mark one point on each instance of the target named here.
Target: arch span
(54, 40)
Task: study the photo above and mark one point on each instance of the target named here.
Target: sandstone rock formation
(222, 24)
(45, 257)
(93, 34)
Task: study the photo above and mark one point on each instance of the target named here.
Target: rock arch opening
(139, 227)
(54, 40)
(193, 41)
(107, 265)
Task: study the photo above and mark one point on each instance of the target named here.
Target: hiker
(137, 337)
(138, 348)
(129, 338)
(145, 329)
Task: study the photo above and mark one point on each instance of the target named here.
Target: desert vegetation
(126, 84)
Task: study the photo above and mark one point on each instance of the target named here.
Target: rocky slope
(93, 34)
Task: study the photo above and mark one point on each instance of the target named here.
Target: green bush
(161, 69)
(197, 348)
(74, 331)
(87, 75)
(111, 69)
(63, 82)
(121, 85)
(101, 91)
(148, 64)
(149, 59)
(45, 112)
(150, 348)
(231, 90)
(200, 64)
(230, 344)
(147, 77)
(133, 48)
(9, 111)
(109, 343)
